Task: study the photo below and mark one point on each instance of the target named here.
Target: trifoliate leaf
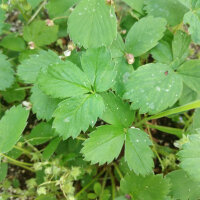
(180, 46)
(92, 24)
(190, 73)
(193, 19)
(59, 8)
(29, 68)
(42, 105)
(190, 157)
(100, 69)
(138, 154)
(162, 53)
(144, 35)
(3, 171)
(13, 94)
(40, 134)
(6, 73)
(65, 80)
(153, 88)
(151, 187)
(124, 70)
(14, 43)
(76, 114)
(104, 144)
(12, 125)
(182, 186)
(172, 10)
(116, 111)
(136, 4)
(40, 33)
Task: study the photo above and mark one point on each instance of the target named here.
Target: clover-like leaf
(136, 4)
(144, 35)
(116, 111)
(93, 24)
(151, 187)
(190, 73)
(138, 154)
(190, 157)
(63, 80)
(182, 186)
(172, 10)
(153, 88)
(40, 33)
(42, 105)
(29, 68)
(6, 73)
(12, 125)
(104, 144)
(76, 114)
(100, 69)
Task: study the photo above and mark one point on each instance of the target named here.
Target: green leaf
(34, 3)
(59, 8)
(144, 35)
(172, 10)
(136, 4)
(190, 73)
(2, 19)
(180, 46)
(76, 114)
(116, 111)
(14, 43)
(138, 154)
(40, 134)
(162, 52)
(190, 157)
(64, 79)
(3, 171)
(153, 88)
(104, 144)
(12, 125)
(195, 124)
(29, 68)
(98, 66)
(6, 73)
(193, 19)
(39, 33)
(42, 105)
(13, 94)
(182, 186)
(92, 24)
(51, 148)
(151, 187)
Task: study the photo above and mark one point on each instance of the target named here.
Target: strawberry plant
(99, 99)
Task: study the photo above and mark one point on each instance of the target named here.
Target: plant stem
(81, 138)
(103, 185)
(118, 170)
(28, 153)
(25, 167)
(24, 88)
(113, 183)
(90, 183)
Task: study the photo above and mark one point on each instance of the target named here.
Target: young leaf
(76, 114)
(144, 35)
(151, 187)
(190, 73)
(100, 69)
(92, 24)
(29, 68)
(136, 4)
(39, 33)
(117, 112)
(153, 88)
(65, 80)
(6, 73)
(104, 144)
(182, 186)
(42, 105)
(138, 154)
(12, 125)
(193, 19)
(172, 10)
(190, 157)
(3, 171)
(40, 134)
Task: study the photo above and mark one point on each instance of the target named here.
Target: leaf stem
(113, 183)
(103, 185)
(118, 170)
